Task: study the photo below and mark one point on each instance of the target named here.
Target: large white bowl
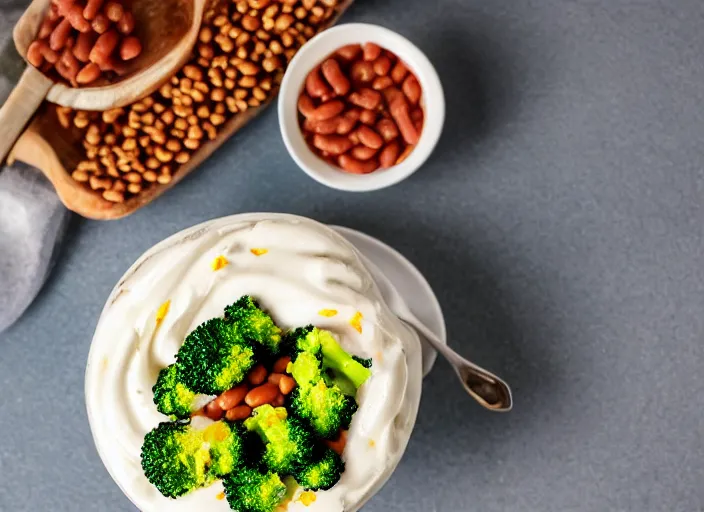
(129, 345)
(312, 54)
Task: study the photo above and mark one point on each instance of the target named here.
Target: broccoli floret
(226, 447)
(171, 396)
(303, 339)
(339, 361)
(322, 474)
(175, 459)
(325, 409)
(288, 446)
(254, 324)
(214, 358)
(248, 490)
(323, 401)
(322, 344)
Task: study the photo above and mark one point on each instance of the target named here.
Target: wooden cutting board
(55, 151)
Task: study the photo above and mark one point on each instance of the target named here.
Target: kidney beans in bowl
(361, 108)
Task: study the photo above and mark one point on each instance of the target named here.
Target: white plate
(408, 281)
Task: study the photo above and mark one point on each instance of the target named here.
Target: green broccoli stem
(335, 357)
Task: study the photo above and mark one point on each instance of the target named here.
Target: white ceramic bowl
(294, 283)
(312, 54)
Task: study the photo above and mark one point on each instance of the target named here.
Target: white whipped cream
(307, 268)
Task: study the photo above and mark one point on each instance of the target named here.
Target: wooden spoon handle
(23, 102)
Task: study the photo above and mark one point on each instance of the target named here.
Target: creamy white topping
(306, 268)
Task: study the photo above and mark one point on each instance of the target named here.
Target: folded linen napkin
(32, 219)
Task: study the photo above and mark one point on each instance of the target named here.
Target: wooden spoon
(167, 31)
(56, 151)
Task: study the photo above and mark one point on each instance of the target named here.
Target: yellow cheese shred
(219, 263)
(307, 498)
(259, 251)
(162, 312)
(327, 312)
(356, 322)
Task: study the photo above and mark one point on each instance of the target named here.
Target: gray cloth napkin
(31, 216)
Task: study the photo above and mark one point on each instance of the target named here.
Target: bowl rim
(314, 52)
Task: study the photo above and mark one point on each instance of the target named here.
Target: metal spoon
(485, 387)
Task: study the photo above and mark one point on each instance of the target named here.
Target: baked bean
(387, 129)
(114, 11)
(126, 23)
(213, 411)
(323, 127)
(239, 413)
(367, 116)
(354, 166)
(325, 111)
(261, 395)
(232, 397)
(362, 152)
(275, 378)
(369, 137)
(46, 28)
(103, 47)
(58, 38)
(365, 98)
(74, 14)
(333, 74)
(306, 105)
(315, 85)
(281, 364)
(382, 82)
(382, 65)
(401, 114)
(89, 73)
(349, 52)
(399, 72)
(286, 384)
(362, 72)
(84, 44)
(257, 375)
(388, 155)
(100, 24)
(130, 48)
(279, 401)
(68, 66)
(371, 51)
(333, 144)
(92, 8)
(39, 51)
(411, 88)
(391, 93)
(417, 114)
(347, 122)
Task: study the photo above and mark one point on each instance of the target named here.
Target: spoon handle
(486, 388)
(23, 102)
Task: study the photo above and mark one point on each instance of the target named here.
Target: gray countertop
(560, 221)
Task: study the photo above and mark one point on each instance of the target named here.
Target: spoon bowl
(167, 30)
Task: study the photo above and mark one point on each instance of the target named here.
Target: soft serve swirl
(297, 269)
